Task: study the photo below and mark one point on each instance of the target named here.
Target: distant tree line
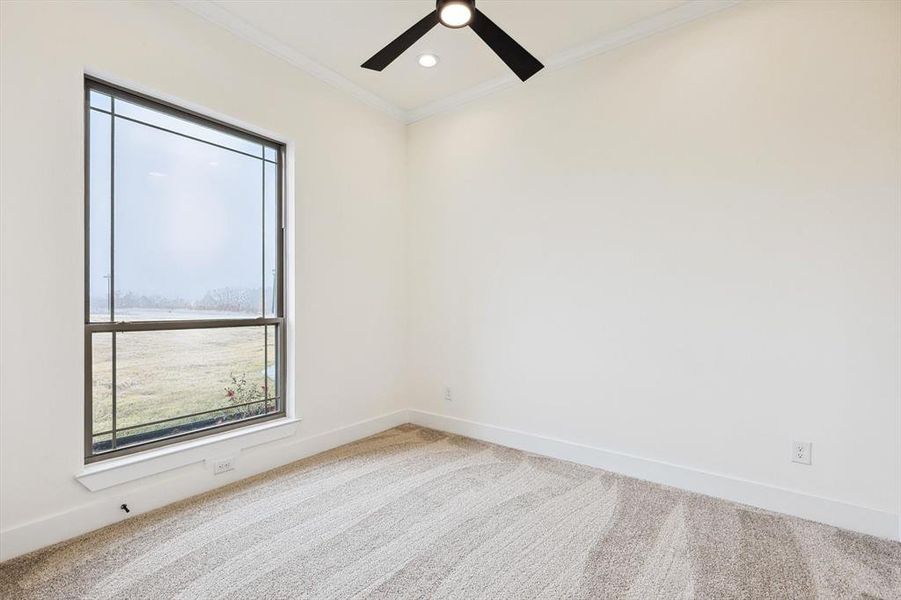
(227, 299)
(231, 300)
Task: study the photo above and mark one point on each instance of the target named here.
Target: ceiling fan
(456, 14)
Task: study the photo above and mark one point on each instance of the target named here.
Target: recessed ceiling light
(428, 60)
(455, 13)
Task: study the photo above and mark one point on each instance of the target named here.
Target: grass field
(168, 374)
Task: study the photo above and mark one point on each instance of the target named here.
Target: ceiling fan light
(455, 14)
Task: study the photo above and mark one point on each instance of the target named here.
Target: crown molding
(669, 19)
(223, 18)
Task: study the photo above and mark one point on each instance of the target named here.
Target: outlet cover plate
(801, 452)
(222, 465)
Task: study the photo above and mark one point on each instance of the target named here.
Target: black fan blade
(517, 58)
(386, 55)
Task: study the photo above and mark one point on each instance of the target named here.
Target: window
(184, 294)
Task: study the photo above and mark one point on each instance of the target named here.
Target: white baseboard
(760, 495)
(188, 480)
(104, 511)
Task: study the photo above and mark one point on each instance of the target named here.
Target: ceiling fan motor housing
(441, 4)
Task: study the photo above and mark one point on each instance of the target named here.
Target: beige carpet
(414, 513)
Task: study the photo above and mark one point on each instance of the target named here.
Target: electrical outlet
(223, 464)
(801, 452)
(448, 394)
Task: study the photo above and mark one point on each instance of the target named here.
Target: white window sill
(115, 471)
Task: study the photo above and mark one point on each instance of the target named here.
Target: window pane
(99, 217)
(272, 346)
(100, 100)
(150, 433)
(186, 127)
(172, 375)
(102, 442)
(270, 267)
(102, 388)
(189, 228)
(270, 154)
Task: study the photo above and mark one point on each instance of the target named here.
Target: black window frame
(278, 321)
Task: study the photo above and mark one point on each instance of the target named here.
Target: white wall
(686, 250)
(349, 285)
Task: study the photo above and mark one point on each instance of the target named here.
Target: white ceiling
(331, 38)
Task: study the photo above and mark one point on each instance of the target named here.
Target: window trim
(278, 321)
